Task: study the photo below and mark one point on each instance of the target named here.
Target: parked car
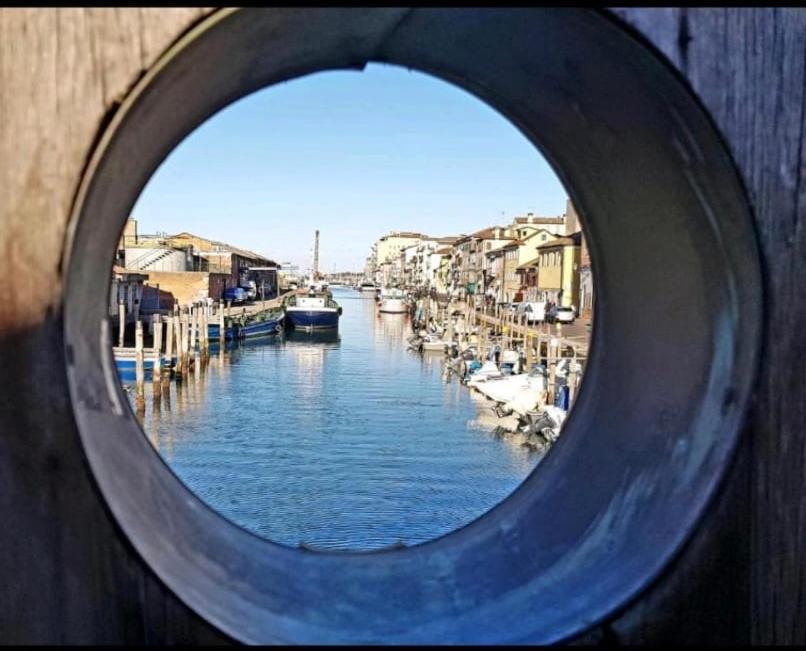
(251, 290)
(561, 314)
(535, 312)
(235, 294)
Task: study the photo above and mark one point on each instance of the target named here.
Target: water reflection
(335, 439)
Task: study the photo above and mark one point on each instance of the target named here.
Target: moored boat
(393, 301)
(433, 342)
(244, 327)
(312, 310)
(126, 358)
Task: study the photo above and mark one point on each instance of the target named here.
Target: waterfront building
(220, 257)
(384, 263)
(558, 270)
(427, 261)
(442, 273)
(524, 226)
(528, 259)
(409, 265)
(469, 259)
(585, 280)
(494, 276)
(510, 286)
(188, 267)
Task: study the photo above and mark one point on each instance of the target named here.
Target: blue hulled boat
(244, 328)
(312, 310)
(125, 362)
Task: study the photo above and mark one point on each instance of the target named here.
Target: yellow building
(558, 270)
(529, 244)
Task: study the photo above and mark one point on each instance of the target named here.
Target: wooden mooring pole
(221, 333)
(169, 340)
(121, 322)
(184, 341)
(193, 328)
(553, 356)
(139, 368)
(157, 347)
(177, 328)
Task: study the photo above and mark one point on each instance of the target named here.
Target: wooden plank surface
(68, 573)
(747, 66)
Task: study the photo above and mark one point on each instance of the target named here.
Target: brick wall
(189, 286)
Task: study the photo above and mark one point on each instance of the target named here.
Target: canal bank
(340, 440)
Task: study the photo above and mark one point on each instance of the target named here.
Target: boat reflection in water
(393, 327)
(295, 338)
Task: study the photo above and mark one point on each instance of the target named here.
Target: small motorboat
(433, 342)
(126, 362)
(245, 327)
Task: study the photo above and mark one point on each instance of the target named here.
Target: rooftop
(574, 239)
(221, 247)
(485, 234)
(532, 219)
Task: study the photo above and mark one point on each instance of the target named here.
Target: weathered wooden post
(139, 367)
(184, 344)
(169, 341)
(177, 328)
(508, 317)
(193, 326)
(203, 334)
(157, 347)
(221, 321)
(553, 353)
(121, 322)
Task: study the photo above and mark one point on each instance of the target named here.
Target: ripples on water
(337, 441)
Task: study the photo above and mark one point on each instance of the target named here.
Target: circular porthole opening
(405, 297)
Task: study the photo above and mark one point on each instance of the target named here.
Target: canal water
(338, 441)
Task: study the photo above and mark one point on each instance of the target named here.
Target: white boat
(487, 371)
(393, 301)
(519, 392)
(367, 287)
(433, 342)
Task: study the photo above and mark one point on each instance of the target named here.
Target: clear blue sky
(354, 154)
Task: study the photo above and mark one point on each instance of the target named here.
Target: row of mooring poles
(537, 345)
(186, 339)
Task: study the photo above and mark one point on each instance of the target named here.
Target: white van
(535, 312)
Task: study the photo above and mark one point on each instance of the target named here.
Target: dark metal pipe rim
(674, 345)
